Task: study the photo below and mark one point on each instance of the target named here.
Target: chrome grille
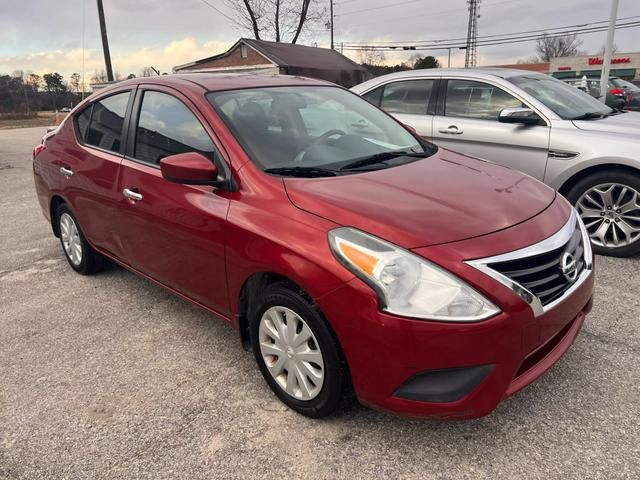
(544, 273)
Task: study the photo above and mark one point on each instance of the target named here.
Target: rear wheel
(609, 205)
(297, 353)
(82, 258)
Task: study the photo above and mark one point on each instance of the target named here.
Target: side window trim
(83, 140)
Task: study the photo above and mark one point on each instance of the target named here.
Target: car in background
(620, 93)
(333, 239)
(614, 97)
(631, 93)
(65, 109)
(536, 124)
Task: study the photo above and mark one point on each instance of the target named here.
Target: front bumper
(395, 361)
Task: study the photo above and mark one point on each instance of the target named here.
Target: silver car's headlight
(406, 284)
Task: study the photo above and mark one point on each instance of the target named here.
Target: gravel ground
(111, 377)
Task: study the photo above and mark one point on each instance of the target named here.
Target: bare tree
(74, 82)
(371, 56)
(548, 47)
(279, 20)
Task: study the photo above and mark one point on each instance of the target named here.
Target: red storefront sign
(600, 61)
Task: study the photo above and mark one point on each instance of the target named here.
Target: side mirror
(191, 168)
(525, 116)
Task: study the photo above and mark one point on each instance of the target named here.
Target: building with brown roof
(259, 56)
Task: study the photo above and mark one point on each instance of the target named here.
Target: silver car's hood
(625, 123)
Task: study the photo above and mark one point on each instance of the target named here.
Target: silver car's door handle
(451, 130)
(67, 172)
(132, 195)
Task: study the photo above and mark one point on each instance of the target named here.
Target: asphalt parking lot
(112, 377)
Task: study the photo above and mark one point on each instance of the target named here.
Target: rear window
(107, 120)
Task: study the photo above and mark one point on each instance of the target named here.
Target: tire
(327, 395)
(623, 188)
(83, 259)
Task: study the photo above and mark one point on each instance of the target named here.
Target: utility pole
(470, 58)
(449, 59)
(105, 42)
(606, 63)
(331, 13)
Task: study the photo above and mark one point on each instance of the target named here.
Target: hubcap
(70, 239)
(611, 213)
(291, 353)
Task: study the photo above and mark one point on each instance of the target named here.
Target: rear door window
(166, 126)
(411, 96)
(107, 120)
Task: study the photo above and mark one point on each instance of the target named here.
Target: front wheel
(297, 353)
(609, 205)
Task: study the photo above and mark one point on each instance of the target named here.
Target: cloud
(68, 61)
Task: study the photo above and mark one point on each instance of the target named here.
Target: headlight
(406, 284)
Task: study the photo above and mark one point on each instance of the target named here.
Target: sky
(50, 35)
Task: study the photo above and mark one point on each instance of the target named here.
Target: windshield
(566, 101)
(312, 127)
(618, 82)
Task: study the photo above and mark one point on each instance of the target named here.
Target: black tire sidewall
(331, 394)
(615, 176)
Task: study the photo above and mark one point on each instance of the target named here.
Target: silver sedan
(534, 123)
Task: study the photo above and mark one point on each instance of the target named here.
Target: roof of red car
(226, 81)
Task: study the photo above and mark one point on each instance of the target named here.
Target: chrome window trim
(555, 241)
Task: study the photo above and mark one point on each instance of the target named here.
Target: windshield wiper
(382, 157)
(302, 171)
(590, 116)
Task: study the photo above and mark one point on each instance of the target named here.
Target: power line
(395, 4)
(502, 41)
(541, 30)
(444, 12)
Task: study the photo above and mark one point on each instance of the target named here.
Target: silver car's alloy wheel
(291, 353)
(611, 213)
(71, 239)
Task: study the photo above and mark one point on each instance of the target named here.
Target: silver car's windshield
(566, 101)
(313, 127)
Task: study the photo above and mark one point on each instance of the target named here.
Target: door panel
(92, 168)
(175, 234)
(172, 232)
(470, 125)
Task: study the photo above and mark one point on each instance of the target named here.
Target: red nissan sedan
(349, 254)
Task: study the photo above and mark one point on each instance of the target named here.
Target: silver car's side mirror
(525, 116)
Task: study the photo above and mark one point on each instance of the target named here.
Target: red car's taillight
(617, 91)
(38, 149)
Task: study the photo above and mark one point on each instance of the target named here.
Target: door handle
(451, 130)
(130, 194)
(67, 172)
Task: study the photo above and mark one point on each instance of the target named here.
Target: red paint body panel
(204, 243)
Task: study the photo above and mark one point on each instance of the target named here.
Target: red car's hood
(443, 198)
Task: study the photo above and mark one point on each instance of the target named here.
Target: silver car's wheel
(70, 239)
(291, 353)
(611, 213)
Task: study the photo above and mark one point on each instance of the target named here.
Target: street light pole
(606, 63)
(105, 42)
